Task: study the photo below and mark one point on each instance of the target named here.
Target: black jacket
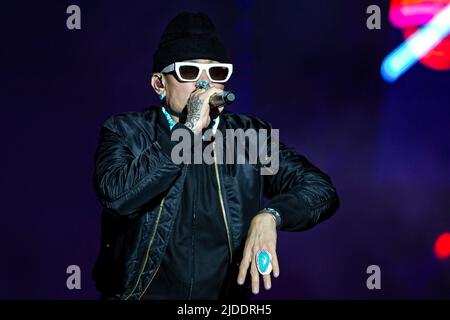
(140, 189)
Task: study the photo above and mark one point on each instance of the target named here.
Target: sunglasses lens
(218, 73)
(189, 72)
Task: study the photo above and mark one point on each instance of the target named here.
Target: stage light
(413, 13)
(437, 58)
(417, 46)
(442, 246)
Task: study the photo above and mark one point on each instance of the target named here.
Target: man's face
(178, 92)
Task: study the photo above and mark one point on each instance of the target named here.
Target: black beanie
(189, 36)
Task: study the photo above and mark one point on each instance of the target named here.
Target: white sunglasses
(191, 71)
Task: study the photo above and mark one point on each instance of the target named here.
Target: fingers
(259, 237)
(202, 95)
(243, 267)
(267, 281)
(198, 108)
(206, 93)
(255, 275)
(251, 259)
(275, 265)
(208, 89)
(274, 261)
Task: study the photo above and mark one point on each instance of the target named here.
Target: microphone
(220, 99)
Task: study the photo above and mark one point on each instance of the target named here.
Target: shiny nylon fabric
(134, 172)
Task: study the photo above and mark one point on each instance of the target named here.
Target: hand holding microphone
(204, 104)
(217, 99)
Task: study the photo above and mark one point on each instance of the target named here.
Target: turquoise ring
(263, 263)
(203, 84)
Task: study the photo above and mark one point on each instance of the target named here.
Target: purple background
(309, 67)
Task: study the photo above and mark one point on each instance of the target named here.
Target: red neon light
(442, 246)
(411, 13)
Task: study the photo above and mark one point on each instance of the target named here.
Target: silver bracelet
(276, 216)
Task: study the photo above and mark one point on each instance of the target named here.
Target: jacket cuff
(298, 215)
(293, 211)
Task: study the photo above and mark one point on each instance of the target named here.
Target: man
(188, 230)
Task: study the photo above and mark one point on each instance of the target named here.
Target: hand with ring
(260, 252)
(203, 85)
(198, 109)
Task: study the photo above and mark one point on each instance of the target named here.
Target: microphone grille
(230, 97)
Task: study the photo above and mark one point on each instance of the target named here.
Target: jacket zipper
(193, 241)
(147, 254)
(151, 280)
(221, 202)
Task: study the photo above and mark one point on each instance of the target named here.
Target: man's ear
(157, 83)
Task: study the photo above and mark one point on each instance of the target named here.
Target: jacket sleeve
(129, 171)
(302, 194)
